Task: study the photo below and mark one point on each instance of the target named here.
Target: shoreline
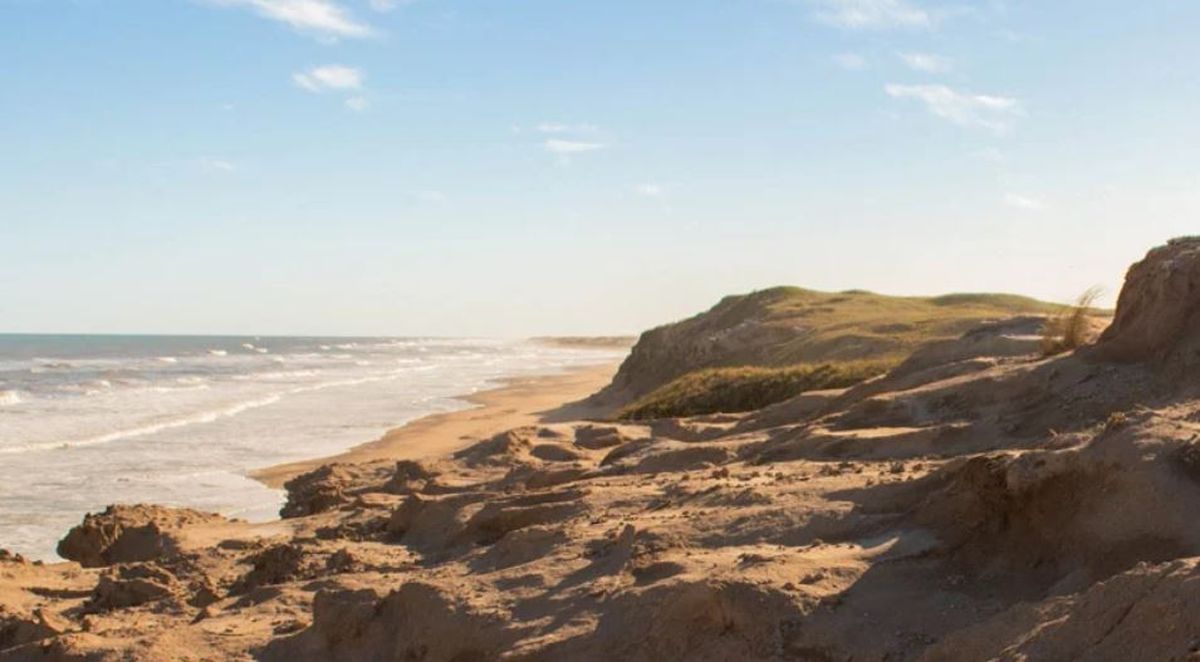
(515, 402)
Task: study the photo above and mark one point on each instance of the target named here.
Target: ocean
(86, 421)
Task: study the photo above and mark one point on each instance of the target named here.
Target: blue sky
(537, 167)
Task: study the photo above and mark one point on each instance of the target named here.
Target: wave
(8, 398)
(218, 352)
(195, 419)
(276, 375)
(143, 430)
(167, 359)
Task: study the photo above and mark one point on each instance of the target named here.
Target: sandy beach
(517, 402)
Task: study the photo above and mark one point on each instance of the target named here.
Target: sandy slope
(969, 506)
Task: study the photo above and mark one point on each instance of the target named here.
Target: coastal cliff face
(790, 325)
(976, 503)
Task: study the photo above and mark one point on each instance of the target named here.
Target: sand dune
(981, 502)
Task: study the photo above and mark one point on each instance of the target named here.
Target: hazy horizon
(441, 168)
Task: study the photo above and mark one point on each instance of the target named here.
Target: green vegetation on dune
(729, 390)
(788, 326)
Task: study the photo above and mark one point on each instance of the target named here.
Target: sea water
(86, 421)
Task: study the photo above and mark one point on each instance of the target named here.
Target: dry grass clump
(1071, 328)
(729, 390)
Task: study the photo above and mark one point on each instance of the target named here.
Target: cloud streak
(566, 147)
(322, 17)
(872, 14)
(926, 62)
(329, 77)
(995, 113)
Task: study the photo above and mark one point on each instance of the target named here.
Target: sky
(483, 168)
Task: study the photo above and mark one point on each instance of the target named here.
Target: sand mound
(123, 534)
(418, 621)
(134, 585)
(1158, 312)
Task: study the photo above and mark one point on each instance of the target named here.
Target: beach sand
(519, 401)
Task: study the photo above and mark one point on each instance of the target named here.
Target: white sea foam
(8, 398)
(276, 375)
(168, 359)
(143, 430)
(218, 352)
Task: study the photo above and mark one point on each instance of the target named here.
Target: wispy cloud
(565, 149)
(873, 14)
(850, 61)
(1023, 202)
(329, 77)
(926, 62)
(649, 190)
(965, 109)
(571, 146)
(357, 104)
(325, 18)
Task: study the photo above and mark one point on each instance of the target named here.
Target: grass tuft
(1070, 329)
